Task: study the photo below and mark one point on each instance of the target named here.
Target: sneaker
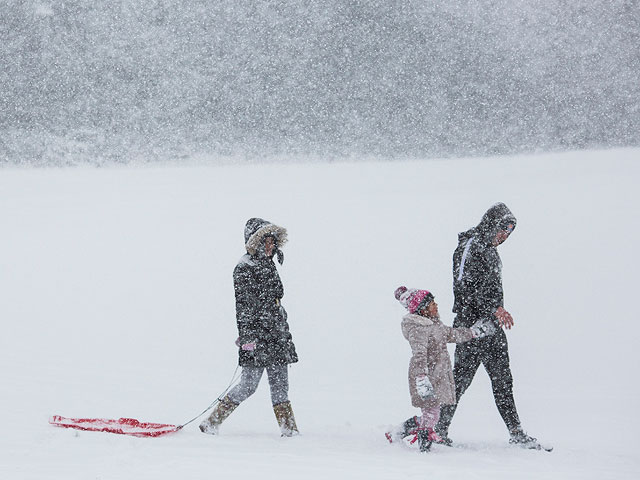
(521, 439)
(443, 439)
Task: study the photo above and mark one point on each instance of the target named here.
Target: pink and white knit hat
(413, 299)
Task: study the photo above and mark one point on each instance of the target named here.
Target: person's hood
(492, 221)
(256, 229)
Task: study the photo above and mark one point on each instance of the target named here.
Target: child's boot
(424, 442)
(408, 427)
(433, 436)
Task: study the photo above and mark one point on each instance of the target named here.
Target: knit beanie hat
(413, 299)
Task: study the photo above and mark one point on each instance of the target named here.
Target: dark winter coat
(477, 269)
(258, 289)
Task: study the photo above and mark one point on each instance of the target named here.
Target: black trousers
(493, 353)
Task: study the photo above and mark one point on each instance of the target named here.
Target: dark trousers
(493, 353)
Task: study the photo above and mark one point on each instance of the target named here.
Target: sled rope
(131, 426)
(234, 379)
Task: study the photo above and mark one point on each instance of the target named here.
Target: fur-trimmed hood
(256, 229)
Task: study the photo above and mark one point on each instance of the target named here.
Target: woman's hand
(248, 347)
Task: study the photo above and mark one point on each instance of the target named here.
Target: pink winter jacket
(428, 338)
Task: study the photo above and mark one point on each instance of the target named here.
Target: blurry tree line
(115, 80)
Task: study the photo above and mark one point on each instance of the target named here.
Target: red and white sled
(123, 426)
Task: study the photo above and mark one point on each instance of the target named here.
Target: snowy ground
(117, 301)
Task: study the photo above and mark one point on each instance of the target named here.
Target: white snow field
(117, 301)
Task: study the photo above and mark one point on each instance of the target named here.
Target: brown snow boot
(219, 414)
(286, 420)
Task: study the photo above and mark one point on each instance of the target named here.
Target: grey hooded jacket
(477, 269)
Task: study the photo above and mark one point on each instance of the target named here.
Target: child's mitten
(482, 328)
(424, 387)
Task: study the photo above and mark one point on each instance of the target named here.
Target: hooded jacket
(428, 338)
(477, 268)
(258, 290)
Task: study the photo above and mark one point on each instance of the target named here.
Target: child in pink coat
(430, 374)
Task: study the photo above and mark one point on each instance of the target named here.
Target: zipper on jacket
(464, 257)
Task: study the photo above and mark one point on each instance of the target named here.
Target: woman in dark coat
(264, 341)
